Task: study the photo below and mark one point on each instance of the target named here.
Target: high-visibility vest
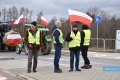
(76, 41)
(60, 37)
(48, 39)
(32, 39)
(87, 37)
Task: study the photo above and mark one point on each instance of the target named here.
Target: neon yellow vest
(47, 39)
(87, 37)
(60, 37)
(32, 39)
(76, 41)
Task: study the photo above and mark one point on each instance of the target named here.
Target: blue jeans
(77, 56)
(57, 56)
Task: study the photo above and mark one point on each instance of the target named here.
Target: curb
(23, 77)
(6, 58)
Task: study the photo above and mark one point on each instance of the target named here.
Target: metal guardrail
(104, 45)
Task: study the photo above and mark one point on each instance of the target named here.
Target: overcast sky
(59, 8)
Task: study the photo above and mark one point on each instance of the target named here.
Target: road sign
(98, 19)
(117, 39)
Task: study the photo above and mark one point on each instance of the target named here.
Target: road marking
(117, 57)
(10, 73)
(2, 77)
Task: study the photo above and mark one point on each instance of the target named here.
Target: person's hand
(73, 37)
(30, 46)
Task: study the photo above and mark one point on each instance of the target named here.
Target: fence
(104, 45)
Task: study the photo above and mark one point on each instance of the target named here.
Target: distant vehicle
(5, 26)
(46, 49)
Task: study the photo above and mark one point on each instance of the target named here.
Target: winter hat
(34, 23)
(75, 26)
(85, 27)
(57, 22)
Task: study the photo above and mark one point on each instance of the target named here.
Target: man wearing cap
(33, 40)
(74, 40)
(58, 41)
(85, 40)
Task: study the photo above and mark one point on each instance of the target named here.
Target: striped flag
(43, 21)
(19, 20)
(2, 77)
(79, 16)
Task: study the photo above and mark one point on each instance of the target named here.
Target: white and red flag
(14, 39)
(79, 16)
(2, 77)
(43, 21)
(19, 20)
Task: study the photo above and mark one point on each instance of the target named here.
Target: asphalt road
(97, 63)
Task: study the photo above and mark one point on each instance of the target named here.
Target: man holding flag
(74, 40)
(85, 34)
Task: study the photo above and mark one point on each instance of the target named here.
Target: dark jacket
(83, 35)
(56, 35)
(68, 39)
(34, 45)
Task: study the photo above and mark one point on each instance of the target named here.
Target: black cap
(85, 27)
(75, 26)
(34, 23)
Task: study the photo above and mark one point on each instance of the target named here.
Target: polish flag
(43, 21)
(2, 77)
(19, 20)
(79, 16)
(14, 39)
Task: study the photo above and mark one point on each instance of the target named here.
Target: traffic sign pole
(97, 37)
(97, 20)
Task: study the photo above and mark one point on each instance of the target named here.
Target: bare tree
(14, 12)
(9, 13)
(39, 16)
(4, 13)
(30, 16)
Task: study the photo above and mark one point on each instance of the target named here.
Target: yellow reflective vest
(32, 39)
(60, 37)
(76, 41)
(87, 37)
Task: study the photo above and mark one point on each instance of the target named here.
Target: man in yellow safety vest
(85, 40)
(58, 42)
(33, 40)
(74, 40)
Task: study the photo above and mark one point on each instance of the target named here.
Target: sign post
(98, 20)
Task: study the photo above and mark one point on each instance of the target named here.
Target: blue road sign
(98, 19)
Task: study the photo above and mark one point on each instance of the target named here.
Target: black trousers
(84, 50)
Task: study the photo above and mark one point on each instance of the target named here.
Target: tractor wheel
(18, 50)
(26, 49)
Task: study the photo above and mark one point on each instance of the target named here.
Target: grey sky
(59, 8)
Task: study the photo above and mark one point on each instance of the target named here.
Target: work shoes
(70, 70)
(58, 70)
(78, 70)
(86, 66)
(34, 71)
(28, 71)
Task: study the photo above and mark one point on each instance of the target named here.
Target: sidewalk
(47, 73)
(102, 55)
